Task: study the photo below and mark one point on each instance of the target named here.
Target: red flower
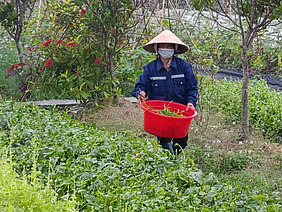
(15, 66)
(7, 70)
(83, 11)
(97, 61)
(77, 73)
(46, 43)
(70, 43)
(56, 20)
(59, 41)
(112, 31)
(48, 63)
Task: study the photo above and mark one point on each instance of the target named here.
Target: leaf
(81, 86)
(90, 199)
(197, 176)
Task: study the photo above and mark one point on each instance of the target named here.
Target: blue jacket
(179, 84)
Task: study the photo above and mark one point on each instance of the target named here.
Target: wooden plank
(65, 102)
(70, 102)
(131, 99)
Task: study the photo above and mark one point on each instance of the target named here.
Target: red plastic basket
(167, 126)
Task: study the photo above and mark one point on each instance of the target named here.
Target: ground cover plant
(25, 195)
(115, 171)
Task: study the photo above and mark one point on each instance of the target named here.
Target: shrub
(81, 48)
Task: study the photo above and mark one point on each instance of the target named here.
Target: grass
(215, 146)
(126, 117)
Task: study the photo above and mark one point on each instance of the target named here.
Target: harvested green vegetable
(168, 112)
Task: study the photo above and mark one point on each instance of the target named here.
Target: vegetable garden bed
(115, 171)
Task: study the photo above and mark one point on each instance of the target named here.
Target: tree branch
(214, 19)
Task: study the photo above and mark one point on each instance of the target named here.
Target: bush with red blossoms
(77, 59)
(60, 66)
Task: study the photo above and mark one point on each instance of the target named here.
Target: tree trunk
(112, 73)
(245, 103)
(20, 50)
(21, 7)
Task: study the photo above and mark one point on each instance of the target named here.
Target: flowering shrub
(58, 70)
(79, 56)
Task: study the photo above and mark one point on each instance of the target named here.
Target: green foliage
(168, 112)
(264, 104)
(8, 15)
(211, 159)
(8, 52)
(247, 8)
(21, 195)
(218, 47)
(130, 67)
(12, 14)
(99, 32)
(115, 172)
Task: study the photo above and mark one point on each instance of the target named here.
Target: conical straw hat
(166, 37)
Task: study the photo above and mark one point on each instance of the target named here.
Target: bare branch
(214, 19)
(223, 13)
(240, 22)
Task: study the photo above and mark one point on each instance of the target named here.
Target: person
(168, 78)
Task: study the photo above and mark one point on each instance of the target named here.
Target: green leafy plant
(18, 194)
(87, 70)
(114, 171)
(8, 87)
(264, 104)
(130, 66)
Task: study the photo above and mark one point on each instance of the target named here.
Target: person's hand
(142, 96)
(190, 105)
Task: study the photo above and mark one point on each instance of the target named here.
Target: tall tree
(246, 17)
(12, 15)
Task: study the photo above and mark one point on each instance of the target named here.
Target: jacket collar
(160, 64)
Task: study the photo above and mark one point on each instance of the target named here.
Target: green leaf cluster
(19, 194)
(8, 16)
(114, 172)
(264, 104)
(130, 66)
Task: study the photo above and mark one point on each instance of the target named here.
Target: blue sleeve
(143, 83)
(191, 86)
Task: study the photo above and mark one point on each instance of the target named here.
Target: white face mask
(166, 53)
